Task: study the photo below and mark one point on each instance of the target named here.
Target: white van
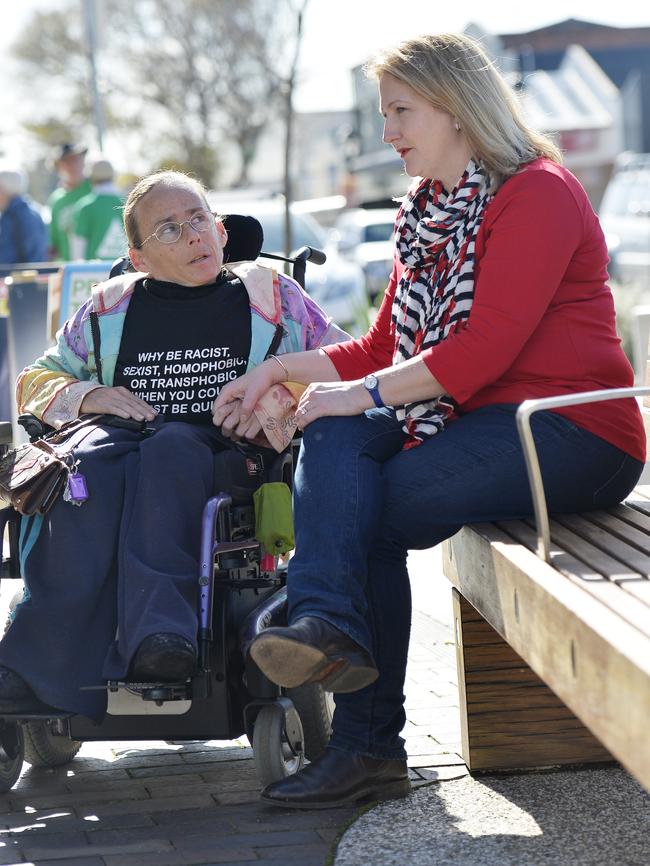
(625, 218)
(337, 286)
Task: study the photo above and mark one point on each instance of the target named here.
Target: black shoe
(17, 697)
(339, 779)
(311, 650)
(165, 658)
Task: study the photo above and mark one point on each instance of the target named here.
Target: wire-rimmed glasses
(170, 232)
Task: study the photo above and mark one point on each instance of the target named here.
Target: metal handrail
(523, 416)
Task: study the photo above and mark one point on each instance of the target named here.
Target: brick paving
(140, 804)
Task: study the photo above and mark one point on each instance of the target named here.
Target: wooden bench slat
(641, 505)
(608, 533)
(587, 566)
(624, 540)
(627, 512)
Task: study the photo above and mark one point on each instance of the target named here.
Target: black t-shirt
(181, 345)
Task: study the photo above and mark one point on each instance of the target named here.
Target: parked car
(625, 218)
(337, 286)
(365, 236)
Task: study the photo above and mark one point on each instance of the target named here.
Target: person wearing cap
(98, 229)
(69, 164)
(23, 236)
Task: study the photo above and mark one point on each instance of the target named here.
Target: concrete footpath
(140, 804)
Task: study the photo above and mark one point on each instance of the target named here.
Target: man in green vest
(70, 167)
(98, 226)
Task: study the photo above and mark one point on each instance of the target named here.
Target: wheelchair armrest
(9, 567)
(33, 426)
(281, 468)
(5, 432)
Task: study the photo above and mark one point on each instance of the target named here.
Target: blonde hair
(143, 187)
(455, 75)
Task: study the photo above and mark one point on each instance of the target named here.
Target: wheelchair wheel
(315, 708)
(41, 748)
(12, 751)
(274, 757)
(45, 749)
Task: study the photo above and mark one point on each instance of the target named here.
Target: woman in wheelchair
(111, 570)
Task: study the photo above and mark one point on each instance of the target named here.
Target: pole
(90, 19)
(288, 139)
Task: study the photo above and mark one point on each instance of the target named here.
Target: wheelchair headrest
(245, 238)
(244, 244)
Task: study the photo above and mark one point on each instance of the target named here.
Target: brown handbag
(32, 475)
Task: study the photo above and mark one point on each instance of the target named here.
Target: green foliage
(52, 131)
(627, 300)
(189, 76)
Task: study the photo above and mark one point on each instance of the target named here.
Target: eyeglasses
(169, 233)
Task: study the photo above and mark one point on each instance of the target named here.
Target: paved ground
(588, 817)
(140, 804)
(122, 804)
(572, 817)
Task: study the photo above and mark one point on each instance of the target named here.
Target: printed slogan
(182, 382)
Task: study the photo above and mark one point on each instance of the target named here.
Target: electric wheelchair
(241, 591)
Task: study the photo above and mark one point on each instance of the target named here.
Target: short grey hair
(160, 178)
(13, 181)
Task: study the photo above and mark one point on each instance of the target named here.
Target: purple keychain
(76, 490)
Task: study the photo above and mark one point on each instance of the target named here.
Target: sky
(340, 34)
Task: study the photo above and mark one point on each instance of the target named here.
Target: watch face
(370, 381)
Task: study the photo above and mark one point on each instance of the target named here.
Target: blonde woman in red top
(498, 294)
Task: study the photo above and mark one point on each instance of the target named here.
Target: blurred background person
(98, 227)
(23, 235)
(69, 164)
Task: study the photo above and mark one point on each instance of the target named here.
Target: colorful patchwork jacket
(54, 386)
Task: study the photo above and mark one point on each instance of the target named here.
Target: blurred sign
(76, 282)
(6, 390)
(25, 336)
(578, 140)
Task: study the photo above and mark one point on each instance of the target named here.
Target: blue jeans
(362, 502)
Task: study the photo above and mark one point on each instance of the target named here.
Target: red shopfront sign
(578, 140)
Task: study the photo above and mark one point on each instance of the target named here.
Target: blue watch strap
(374, 392)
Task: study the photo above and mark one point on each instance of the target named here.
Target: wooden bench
(553, 633)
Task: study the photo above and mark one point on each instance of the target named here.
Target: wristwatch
(371, 383)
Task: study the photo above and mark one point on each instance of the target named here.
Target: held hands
(235, 427)
(233, 408)
(116, 401)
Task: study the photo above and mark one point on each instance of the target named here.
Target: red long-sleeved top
(542, 322)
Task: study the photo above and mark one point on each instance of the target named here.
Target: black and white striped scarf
(435, 235)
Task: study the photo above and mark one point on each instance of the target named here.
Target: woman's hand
(332, 398)
(116, 401)
(245, 391)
